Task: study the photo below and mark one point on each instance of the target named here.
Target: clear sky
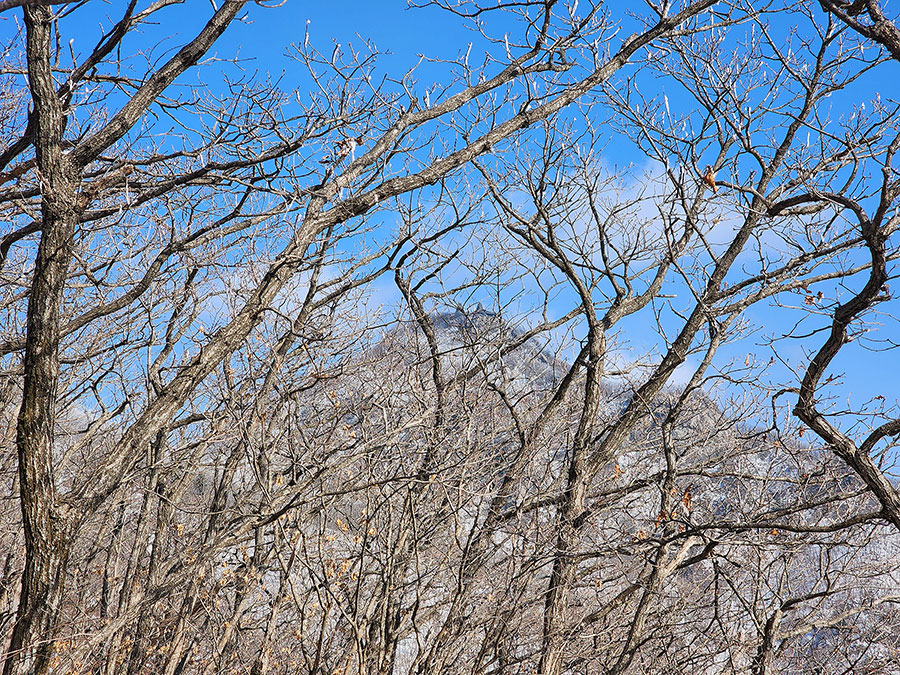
(406, 34)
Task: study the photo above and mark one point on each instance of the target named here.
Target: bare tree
(389, 377)
(865, 446)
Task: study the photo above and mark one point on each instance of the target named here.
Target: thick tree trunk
(46, 523)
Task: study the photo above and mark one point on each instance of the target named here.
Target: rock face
(484, 340)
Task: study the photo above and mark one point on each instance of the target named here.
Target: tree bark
(46, 522)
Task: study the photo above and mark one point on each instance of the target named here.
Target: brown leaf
(709, 177)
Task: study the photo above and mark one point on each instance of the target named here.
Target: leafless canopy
(354, 370)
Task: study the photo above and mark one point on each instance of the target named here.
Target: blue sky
(406, 34)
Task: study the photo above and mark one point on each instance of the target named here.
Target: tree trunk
(46, 523)
(556, 601)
